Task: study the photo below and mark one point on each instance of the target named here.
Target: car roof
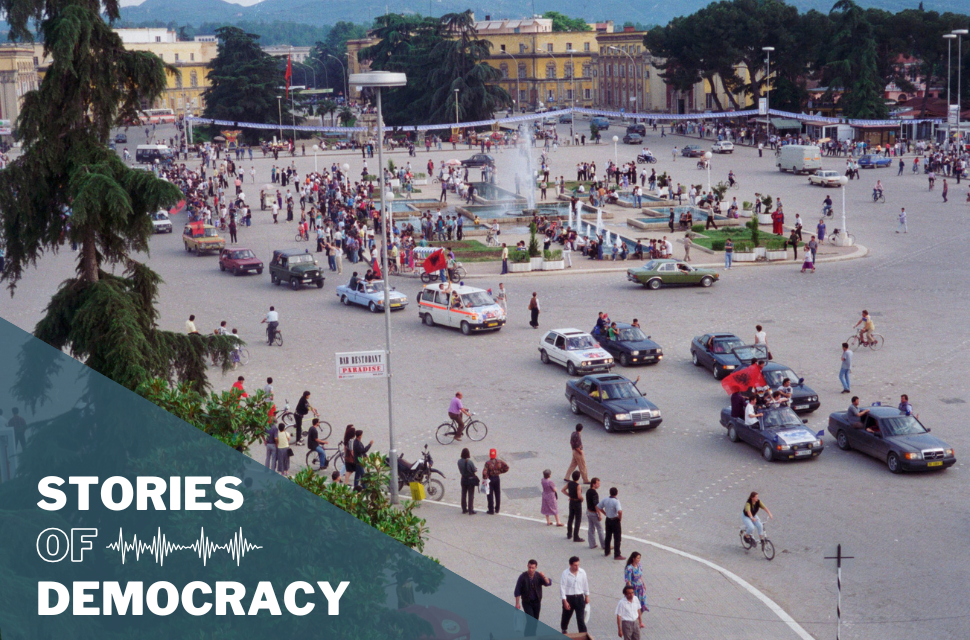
(571, 332)
(238, 249)
(459, 289)
(717, 336)
(774, 366)
(884, 412)
(607, 377)
(289, 252)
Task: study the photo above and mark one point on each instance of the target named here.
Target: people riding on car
(751, 414)
(855, 414)
(613, 333)
(353, 282)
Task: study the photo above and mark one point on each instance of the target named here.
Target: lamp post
(707, 156)
(636, 102)
(616, 160)
(378, 80)
(316, 148)
(950, 37)
(518, 94)
(959, 33)
(844, 233)
(279, 107)
(456, 107)
(346, 80)
(572, 66)
(767, 50)
(346, 168)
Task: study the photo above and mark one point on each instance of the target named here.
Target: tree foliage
(561, 22)
(853, 63)
(329, 55)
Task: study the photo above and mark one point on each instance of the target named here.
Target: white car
(723, 146)
(161, 222)
(576, 350)
(466, 308)
(825, 178)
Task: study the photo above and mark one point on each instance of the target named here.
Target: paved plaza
(682, 485)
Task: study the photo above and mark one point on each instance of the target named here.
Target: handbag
(289, 452)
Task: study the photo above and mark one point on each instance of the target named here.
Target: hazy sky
(245, 3)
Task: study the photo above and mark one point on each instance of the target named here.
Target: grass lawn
(737, 234)
(470, 250)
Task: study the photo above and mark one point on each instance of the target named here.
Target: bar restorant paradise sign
(357, 365)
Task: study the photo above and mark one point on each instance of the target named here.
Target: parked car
(478, 160)
(631, 346)
(722, 146)
(637, 127)
(826, 178)
(161, 222)
(870, 161)
(574, 349)
(886, 434)
(121, 138)
(804, 399)
(201, 238)
(779, 434)
(295, 267)
(692, 151)
(240, 260)
(371, 295)
(632, 138)
(565, 118)
(601, 123)
(466, 308)
(667, 272)
(715, 351)
(614, 401)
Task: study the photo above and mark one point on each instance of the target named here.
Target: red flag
(377, 268)
(289, 74)
(744, 379)
(436, 261)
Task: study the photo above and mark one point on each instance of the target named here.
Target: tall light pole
(960, 33)
(518, 94)
(572, 66)
(707, 156)
(767, 50)
(844, 234)
(279, 106)
(378, 80)
(346, 80)
(950, 37)
(636, 101)
(312, 70)
(316, 148)
(456, 108)
(616, 156)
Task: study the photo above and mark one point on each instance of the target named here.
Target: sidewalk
(689, 598)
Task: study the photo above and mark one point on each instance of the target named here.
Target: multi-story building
(18, 75)
(354, 62)
(296, 54)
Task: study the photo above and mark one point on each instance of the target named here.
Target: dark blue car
(631, 346)
(870, 161)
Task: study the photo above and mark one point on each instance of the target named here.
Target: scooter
(420, 471)
(645, 159)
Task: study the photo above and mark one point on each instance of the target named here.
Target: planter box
(743, 257)
(519, 267)
(760, 252)
(764, 218)
(536, 263)
(553, 265)
(777, 255)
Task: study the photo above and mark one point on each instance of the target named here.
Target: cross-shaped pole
(838, 557)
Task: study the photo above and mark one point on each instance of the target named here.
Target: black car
(121, 138)
(637, 128)
(692, 151)
(614, 401)
(296, 268)
(715, 351)
(803, 398)
(887, 434)
(632, 138)
(631, 346)
(779, 434)
(479, 160)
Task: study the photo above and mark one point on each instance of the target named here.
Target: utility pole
(838, 557)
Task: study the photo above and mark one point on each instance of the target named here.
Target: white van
(798, 158)
(149, 153)
(466, 308)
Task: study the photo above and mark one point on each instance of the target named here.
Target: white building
(146, 36)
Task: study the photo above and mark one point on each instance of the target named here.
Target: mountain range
(322, 12)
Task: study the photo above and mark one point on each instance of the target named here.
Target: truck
(798, 158)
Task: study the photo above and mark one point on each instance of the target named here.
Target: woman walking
(633, 574)
(550, 497)
(809, 263)
(283, 451)
(469, 480)
(350, 465)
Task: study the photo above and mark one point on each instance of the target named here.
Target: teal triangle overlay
(87, 425)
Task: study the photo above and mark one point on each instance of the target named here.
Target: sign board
(5, 128)
(762, 106)
(953, 115)
(359, 365)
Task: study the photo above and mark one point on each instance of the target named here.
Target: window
(568, 70)
(194, 78)
(586, 46)
(551, 97)
(569, 46)
(586, 94)
(503, 47)
(504, 68)
(646, 73)
(622, 70)
(158, 39)
(35, 61)
(586, 70)
(549, 47)
(710, 101)
(521, 48)
(569, 94)
(176, 57)
(522, 73)
(632, 71)
(192, 57)
(523, 96)
(551, 70)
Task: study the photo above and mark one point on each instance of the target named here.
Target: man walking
(494, 468)
(728, 253)
(575, 508)
(528, 595)
(505, 259)
(902, 221)
(593, 517)
(579, 457)
(845, 368)
(628, 620)
(574, 589)
(613, 512)
(534, 310)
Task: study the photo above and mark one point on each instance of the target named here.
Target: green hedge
(717, 245)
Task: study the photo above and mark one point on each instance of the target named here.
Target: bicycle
(736, 186)
(455, 275)
(856, 340)
(827, 212)
(767, 548)
(302, 236)
(474, 429)
(313, 457)
(288, 418)
(277, 339)
(879, 196)
(240, 357)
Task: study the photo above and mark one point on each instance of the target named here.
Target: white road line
(741, 582)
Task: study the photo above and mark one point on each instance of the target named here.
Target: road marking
(773, 606)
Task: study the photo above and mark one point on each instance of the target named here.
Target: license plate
(492, 324)
(938, 463)
(803, 453)
(642, 423)
(395, 305)
(800, 406)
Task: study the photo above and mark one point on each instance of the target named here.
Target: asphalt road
(683, 484)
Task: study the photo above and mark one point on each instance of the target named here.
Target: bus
(157, 116)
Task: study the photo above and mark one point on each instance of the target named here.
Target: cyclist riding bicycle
(457, 412)
(865, 334)
(272, 321)
(877, 190)
(827, 206)
(731, 178)
(749, 517)
(315, 444)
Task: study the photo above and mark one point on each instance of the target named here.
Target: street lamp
(960, 33)
(378, 80)
(844, 233)
(518, 94)
(636, 105)
(767, 50)
(279, 107)
(456, 107)
(950, 37)
(316, 148)
(346, 81)
(616, 161)
(572, 66)
(707, 157)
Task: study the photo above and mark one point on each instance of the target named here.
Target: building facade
(18, 75)
(296, 54)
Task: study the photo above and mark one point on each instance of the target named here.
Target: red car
(239, 260)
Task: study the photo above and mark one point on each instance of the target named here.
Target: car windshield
(372, 288)
(579, 343)
(302, 258)
(725, 345)
(159, 216)
(210, 233)
(476, 299)
(242, 255)
(751, 352)
(781, 417)
(651, 266)
(901, 426)
(619, 391)
(632, 334)
(775, 378)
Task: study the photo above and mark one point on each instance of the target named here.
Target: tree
(853, 64)
(244, 82)
(565, 23)
(328, 107)
(67, 186)
(328, 56)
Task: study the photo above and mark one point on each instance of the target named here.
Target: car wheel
(372, 307)
(186, 247)
(607, 425)
(624, 360)
(428, 320)
(198, 251)
(574, 406)
(466, 328)
(236, 272)
(767, 453)
(693, 358)
(716, 371)
(222, 267)
(707, 281)
(570, 368)
(544, 356)
(274, 279)
(344, 301)
(893, 463)
(654, 284)
(259, 271)
(843, 441)
(294, 284)
(320, 283)
(733, 434)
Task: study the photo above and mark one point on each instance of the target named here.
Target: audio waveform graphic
(160, 547)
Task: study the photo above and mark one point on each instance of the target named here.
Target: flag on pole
(435, 262)
(376, 267)
(744, 379)
(289, 74)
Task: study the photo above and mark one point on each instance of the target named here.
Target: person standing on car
(491, 473)
(469, 480)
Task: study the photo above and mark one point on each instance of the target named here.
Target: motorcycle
(420, 471)
(645, 159)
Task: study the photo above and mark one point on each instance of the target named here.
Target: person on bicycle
(865, 334)
(827, 206)
(303, 407)
(314, 443)
(877, 190)
(272, 321)
(731, 180)
(749, 516)
(457, 412)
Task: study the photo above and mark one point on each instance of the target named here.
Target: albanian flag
(744, 379)
(376, 267)
(435, 262)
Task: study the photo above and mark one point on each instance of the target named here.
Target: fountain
(523, 167)
(599, 221)
(579, 218)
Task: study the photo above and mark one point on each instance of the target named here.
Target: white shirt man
(750, 416)
(574, 591)
(628, 621)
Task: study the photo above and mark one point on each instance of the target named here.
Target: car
(239, 260)
(669, 272)
(692, 151)
(804, 399)
(161, 222)
(614, 401)
(112, 145)
(201, 238)
(478, 160)
(370, 295)
(722, 146)
(779, 434)
(467, 308)
(574, 349)
(870, 161)
(296, 267)
(901, 441)
(715, 351)
(826, 178)
(631, 346)
(565, 118)
(600, 122)
(632, 138)
(637, 127)
(121, 138)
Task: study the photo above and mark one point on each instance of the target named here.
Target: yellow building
(18, 75)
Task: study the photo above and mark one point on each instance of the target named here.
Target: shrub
(755, 232)
(518, 256)
(697, 228)
(370, 177)
(776, 244)
(718, 245)
(742, 247)
(391, 167)
(746, 206)
(533, 241)
(553, 255)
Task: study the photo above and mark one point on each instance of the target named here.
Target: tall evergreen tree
(853, 63)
